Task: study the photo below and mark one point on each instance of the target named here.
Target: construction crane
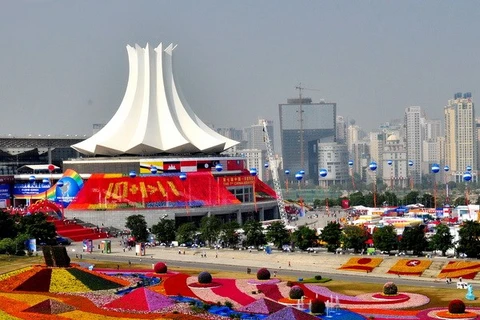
(274, 168)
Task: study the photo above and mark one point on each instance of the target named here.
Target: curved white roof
(153, 117)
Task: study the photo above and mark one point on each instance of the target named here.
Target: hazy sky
(64, 66)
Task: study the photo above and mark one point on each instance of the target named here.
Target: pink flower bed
(270, 281)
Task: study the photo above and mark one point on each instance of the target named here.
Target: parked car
(63, 241)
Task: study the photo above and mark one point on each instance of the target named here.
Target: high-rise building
(460, 134)
(333, 157)
(341, 129)
(256, 137)
(414, 135)
(394, 163)
(302, 124)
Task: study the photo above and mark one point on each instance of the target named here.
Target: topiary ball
(456, 306)
(390, 288)
(296, 292)
(318, 277)
(160, 267)
(318, 306)
(204, 277)
(263, 274)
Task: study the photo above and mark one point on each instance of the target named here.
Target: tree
(253, 231)
(164, 230)
(385, 238)
(331, 235)
(7, 225)
(36, 226)
(186, 232)
(442, 239)
(210, 228)
(229, 234)
(357, 199)
(428, 200)
(390, 198)
(304, 237)
(413, 238)
(469, 242)
(354, 237)
(411, 197)
(138, 227)
(278, 234)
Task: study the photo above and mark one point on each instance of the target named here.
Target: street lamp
(253, 173)
(435, 170)
(350, 166)
(410, 164)
(373, 167)
(467, 176)
(183, 177)
(446, 169)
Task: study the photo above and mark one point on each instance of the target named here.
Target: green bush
(318, 306)
(229, 304)
(204, 277)
(296, 292)
(390, 288)
(263, 274)
(318, 277)
(456, 306)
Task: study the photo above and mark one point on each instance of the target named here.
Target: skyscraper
(302, 124)
(256, 137)
(414, 135)
(460, 133)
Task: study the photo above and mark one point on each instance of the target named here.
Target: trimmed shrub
(204, 277)
(289, 283)
(263, 274)
(390, 288)
(318, 277)
(456, 306)
(318, 306)
(295, 292)
(160, 267)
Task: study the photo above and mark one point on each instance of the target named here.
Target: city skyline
(65, 64)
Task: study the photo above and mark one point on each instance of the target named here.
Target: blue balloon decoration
(446, 168)
(435, 168)
(287, 171)
(218, 167)
(323, 173)
(60, 183)
(153, 170)
(266, 164)
(253, 171)
(183, 176)
(298, 176)
(45, 181)
(302, 172)
(410, 163)
(132, 174)
(31, 179)
(469, 168)
(350, 163)
(389, 162)
(372, 166)
(467, 176)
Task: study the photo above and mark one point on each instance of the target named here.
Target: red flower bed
(270, 291)
(177, 286)
(204, 285)
(39, 282)
(11, 283)
(230, 290)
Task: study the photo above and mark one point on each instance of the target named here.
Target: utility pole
(300, 112)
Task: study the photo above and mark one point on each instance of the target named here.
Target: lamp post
(373, 167)
(446, 169)
(299, 178)
(183, 177)
(253, 173)
(467, 176)
(435, 169)
(390, 162)
(287, 173)
(410, 164)
(218, 168)
(350, 168)
(322, 174)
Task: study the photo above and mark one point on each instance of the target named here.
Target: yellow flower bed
(31, 299)
(361, 264)
(6, 316)
(13, 273)
(62, 279)
(456, 269)
(412, 267)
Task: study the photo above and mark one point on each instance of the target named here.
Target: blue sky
(63, 64)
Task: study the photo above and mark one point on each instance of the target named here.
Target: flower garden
(38, 292)
(457, 269)
(361, 264)
(410, 267)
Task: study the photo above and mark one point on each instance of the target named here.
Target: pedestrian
(289, 264)
(274, 274)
